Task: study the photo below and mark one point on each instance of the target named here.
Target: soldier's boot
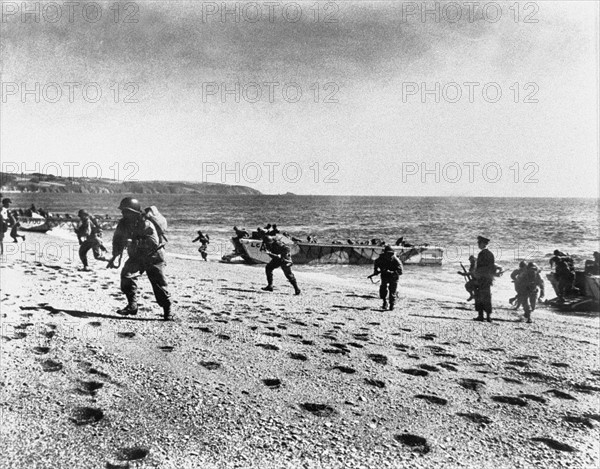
(489, 316)
(129, 310)
(385, 304)
(167, 313)
(528, 317)
(297, 290)
(269, 287)
(479, 316)
(391, 305)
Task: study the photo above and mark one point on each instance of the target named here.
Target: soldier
(4, 221)
(515, 274)
(281, 256)
(529, 283)
(390, 268)
(204, 240)
(89, 235)
(484, 276)
(145, 255)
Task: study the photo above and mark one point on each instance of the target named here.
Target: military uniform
(91, 233)
(283, 259)
(390, 268)
(529, 284)
(485, 269)
(144, 256)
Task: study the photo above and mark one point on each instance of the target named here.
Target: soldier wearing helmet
(145, 253)
(281, 256)
(529, 284)
(89, 235)
(390, 268)
(4, 221)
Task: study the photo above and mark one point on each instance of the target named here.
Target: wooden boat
(323, 253)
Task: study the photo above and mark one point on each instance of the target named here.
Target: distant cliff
(36, 182)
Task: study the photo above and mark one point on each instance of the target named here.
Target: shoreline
(192, 393)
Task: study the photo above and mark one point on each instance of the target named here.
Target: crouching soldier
(529, 284)
(145, 252)
(390, 268)
(281, 256)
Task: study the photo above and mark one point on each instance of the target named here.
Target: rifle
(466, 273)
(370, 277)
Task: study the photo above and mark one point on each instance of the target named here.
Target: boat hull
(312, 253)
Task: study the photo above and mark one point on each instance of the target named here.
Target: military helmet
(6, 201)
(131, 204)
(388, 248)
(268, 239)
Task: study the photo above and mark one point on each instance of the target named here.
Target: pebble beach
(251, 379)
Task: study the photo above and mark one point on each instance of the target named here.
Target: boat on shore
(585, 296)
(39, 224)
(252, 251)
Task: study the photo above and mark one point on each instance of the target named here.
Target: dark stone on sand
(432, 399)
(472, 384)
(556, 445)
(308, 342)
(51, 366)
(427, 367)
(126, 335)
(86, 415)
(476, 418)
(268, 346)
(211, 365)
(40, 350)
(132, 454)
(560, 394)
(272, 334)
(355, 345)
(320, 410)
(448, 366)
(345, 369)
(414, 372)
(89, 387)
(416, 443)
(167, 348)
(375, 382)
(335, 351)
(510, 400)
(585, 388)
(533, 397)
(378, 358)
(517, 363)
(272, 383)
(512, 380)
(560, 364)
(298, 356)
(579, 421)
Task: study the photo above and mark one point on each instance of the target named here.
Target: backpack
(159, 221)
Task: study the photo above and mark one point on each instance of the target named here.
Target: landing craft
(328, 253)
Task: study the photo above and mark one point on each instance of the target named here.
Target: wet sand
(245, 378)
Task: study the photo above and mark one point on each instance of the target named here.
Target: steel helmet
(268, 239)
(82, 213)
(388, 248)
(131, 204)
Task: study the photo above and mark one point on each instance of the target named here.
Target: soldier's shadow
(88, 314)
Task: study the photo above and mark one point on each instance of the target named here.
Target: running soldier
(204, 240)
(145, 251)
(281, 256)
(89, 235)
(529, 284)
(390, 268)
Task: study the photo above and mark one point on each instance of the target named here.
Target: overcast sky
(360, 126)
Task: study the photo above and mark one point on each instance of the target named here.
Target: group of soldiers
(142, 235)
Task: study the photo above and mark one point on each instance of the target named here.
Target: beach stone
(320, 410)
(86, 415)
(416, 443)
